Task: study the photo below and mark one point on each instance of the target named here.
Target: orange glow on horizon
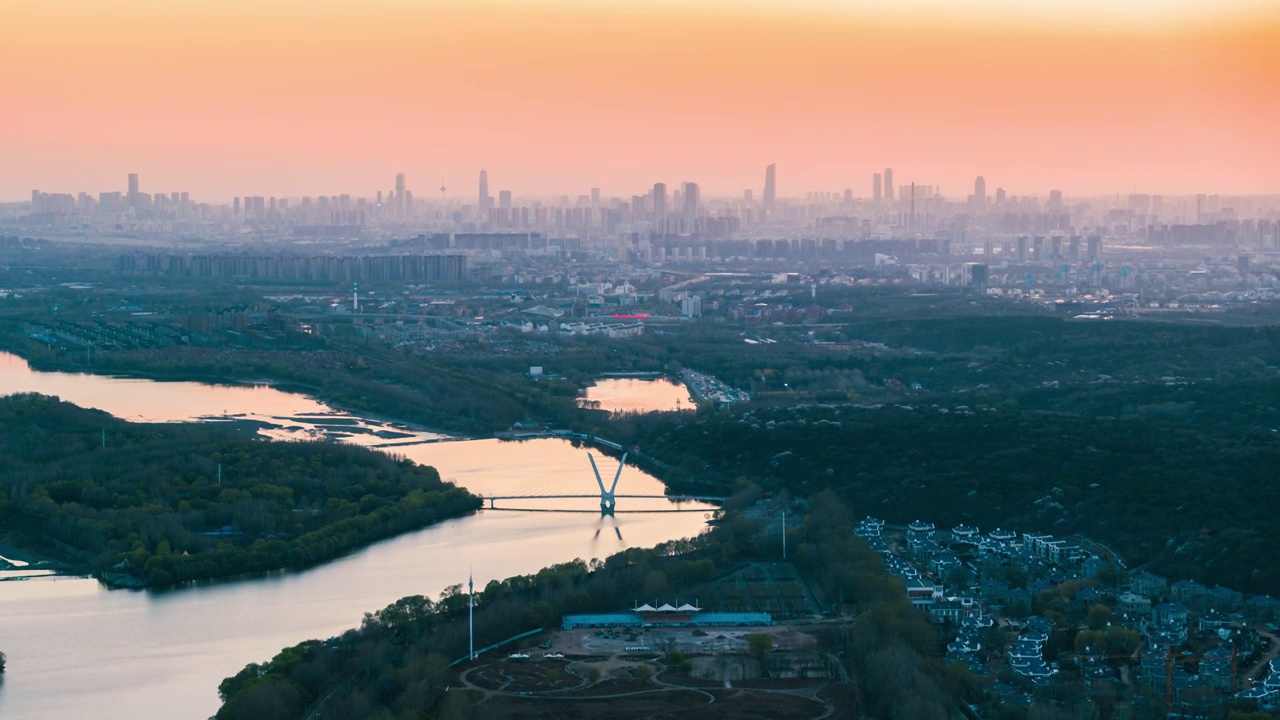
(292, 98)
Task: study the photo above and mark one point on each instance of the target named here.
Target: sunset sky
(292, 97)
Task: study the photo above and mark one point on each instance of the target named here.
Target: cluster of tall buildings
(892, 209)
(108, 202)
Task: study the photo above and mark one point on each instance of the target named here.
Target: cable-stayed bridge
(567, 483)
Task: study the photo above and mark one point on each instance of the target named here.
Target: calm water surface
(76, 649)
(630, 395)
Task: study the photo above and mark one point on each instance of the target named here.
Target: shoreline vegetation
(1059, 459)
(366, 381)
(400, 662)
(1024, 421)
(46, 361)
(154, 505)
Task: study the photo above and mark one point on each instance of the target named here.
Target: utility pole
(471, 615)
(784, 535)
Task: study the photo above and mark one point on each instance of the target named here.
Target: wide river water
(76, 649)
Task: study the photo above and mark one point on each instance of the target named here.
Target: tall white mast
(471, 615)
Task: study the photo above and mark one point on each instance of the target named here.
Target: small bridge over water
(548, 489)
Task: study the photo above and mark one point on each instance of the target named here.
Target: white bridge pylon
(608, 503)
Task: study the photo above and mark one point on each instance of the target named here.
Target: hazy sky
(293, 97)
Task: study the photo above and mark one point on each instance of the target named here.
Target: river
(76, 649)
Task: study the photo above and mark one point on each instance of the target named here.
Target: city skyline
(334, 97)
(400, 202)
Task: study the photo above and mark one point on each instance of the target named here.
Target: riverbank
(17, 558)
(41, 360)
(440, 394)
(158, 504)
(212, 629)
(402, 650)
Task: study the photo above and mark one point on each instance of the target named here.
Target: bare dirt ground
(631, 682)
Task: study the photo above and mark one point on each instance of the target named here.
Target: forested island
(158, 504)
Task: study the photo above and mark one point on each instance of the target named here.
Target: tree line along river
(76, 649)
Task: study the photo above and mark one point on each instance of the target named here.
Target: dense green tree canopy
(159, 504)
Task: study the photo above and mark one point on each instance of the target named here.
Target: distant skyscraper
(133, 189)
(690, 207)
(770, 186)
(1000, 196)
(877, 188)
(595, 197)
(888, 184)
(484, 191)
(1055, 200)
(400, 205)
(504, 199)
(660, 207)
(980, 192)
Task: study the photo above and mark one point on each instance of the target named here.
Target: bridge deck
(619, 511)
(596, 496)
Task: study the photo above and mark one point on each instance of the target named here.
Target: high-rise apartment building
(400, 205)
(1094, 248)
(660, 208)
(484, 200)
(690, 207)
(770, 186)
(980, 192)
(888, 184)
